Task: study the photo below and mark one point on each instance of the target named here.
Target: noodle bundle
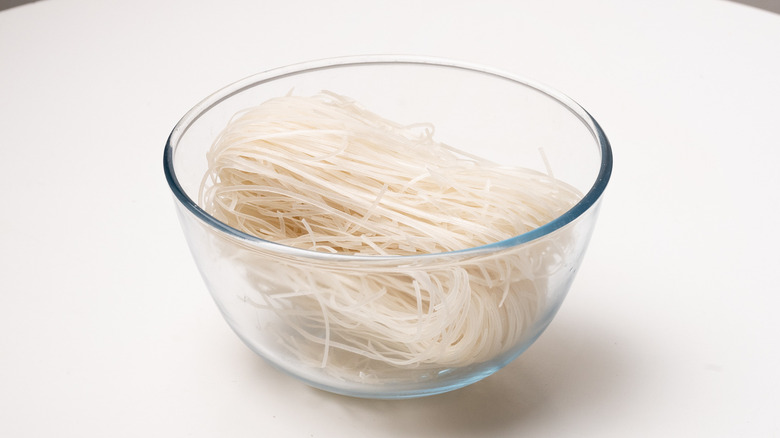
(325, 174)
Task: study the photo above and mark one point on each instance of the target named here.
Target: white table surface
(671, 328)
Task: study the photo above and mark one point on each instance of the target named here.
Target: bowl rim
(590, 198)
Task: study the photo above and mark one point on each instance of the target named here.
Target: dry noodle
(325, 174)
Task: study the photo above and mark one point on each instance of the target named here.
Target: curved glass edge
(408, 391)
(589, 199)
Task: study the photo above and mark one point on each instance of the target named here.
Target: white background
(669, 330)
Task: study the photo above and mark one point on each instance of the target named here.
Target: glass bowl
(317, 315)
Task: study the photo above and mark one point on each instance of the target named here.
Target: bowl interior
(503, 118)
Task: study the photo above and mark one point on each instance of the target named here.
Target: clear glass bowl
(259, 285)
